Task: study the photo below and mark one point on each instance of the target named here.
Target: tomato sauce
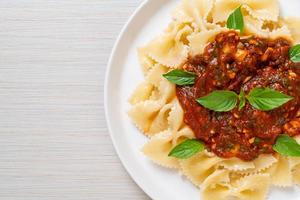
(234, 63)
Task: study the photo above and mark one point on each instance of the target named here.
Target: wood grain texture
(54, 143)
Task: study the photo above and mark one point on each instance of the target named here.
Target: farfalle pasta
(158, 149)
(199, 167)
(217, 186)
(293, 25)
(169, 49)
(199, 40)
(261, 10)
(195, 12)
(281, 173)
(197, 29)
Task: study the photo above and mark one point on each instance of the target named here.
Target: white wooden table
(54, 143)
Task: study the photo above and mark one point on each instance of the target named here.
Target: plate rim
(116, 45)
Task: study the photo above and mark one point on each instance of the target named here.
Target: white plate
(123, 75)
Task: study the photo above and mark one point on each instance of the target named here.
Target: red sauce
(233, 63)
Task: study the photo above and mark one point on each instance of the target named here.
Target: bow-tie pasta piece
(267, 10)
(145, 60)
(153, 110)
(155, 76)
(154, 118)
(252, 187)
(198, 41)
(216, 186)
(163, 92)
(142, 93)
(281, 173)
(294, 162)
(161, 144)
(169, 117)
(199, 167)
(256, 27)
(295, 166)
(180, 31)
(261, 163)
(169, 48)
(296, 174)
(158, 149)
(194, 11)
(293, 24)
(182, 134)
(175, 119)
(283, 32)
(149, 109)
(160, 122)
(166, 92)
(167, 51)
(236, 164)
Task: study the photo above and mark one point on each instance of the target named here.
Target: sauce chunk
(234, 63)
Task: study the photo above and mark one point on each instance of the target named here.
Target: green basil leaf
(287, 146)
(180, 77)
(295, 53)
(242, 98)
(187, 149)
(267, 99)
(219, 100)
(236, 20)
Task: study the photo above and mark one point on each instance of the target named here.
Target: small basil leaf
(242, 98)
(187, 149)
(180, 77)
(267, 99)
(236, 20)
(219, 100)
(287, 146)
(295, 53)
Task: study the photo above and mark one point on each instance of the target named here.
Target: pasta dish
(220, 101)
